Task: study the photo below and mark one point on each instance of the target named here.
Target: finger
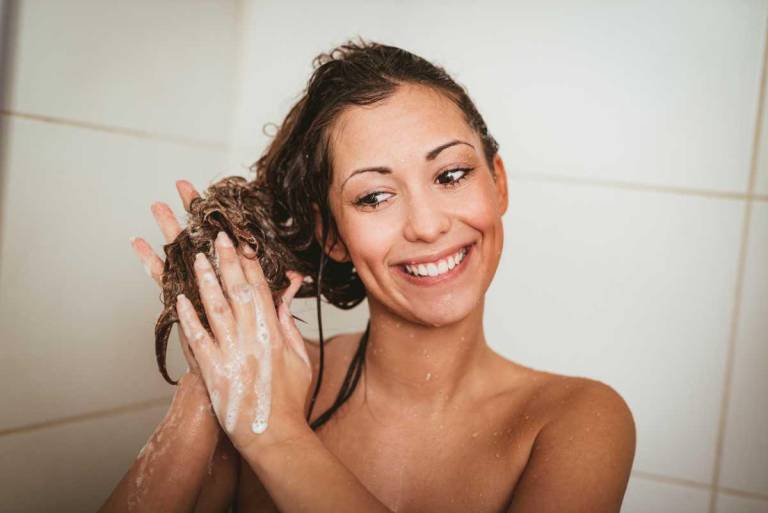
(166, 220)
(255, 275)
(216, 306)
(292, 334)
(296, 280)
(239, 291)
(201, 343)
(265, 306)
(192, 365)
(152, 263)
(187, 192)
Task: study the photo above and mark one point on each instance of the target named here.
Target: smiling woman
(382, 183)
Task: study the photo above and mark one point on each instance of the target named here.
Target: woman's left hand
(255, 365)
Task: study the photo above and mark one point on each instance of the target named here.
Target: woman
(407, 193)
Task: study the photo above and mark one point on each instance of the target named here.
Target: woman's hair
(274, 214)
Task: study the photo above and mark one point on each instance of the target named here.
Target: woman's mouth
(438, 271)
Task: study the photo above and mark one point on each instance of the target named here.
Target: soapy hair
(273, 213)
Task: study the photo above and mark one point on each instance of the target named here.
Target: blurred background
(636, 242)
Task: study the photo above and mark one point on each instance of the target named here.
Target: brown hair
(273, 213)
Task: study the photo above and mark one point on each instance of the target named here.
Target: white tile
(646, 496)
(77, 311)
(72, 467)
(745, 453)
(630, 288)
(735, 504)
(652, 92)
(162, 67)
(657, 92)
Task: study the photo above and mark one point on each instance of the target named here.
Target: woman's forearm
(304, 476)
(170, 469)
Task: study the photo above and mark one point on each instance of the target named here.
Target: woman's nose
(427, 219)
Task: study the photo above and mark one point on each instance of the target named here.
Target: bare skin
(440, 422)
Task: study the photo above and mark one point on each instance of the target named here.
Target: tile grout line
(131, 132)
(531, 177)
(99, 414)
(739, 284)
(687, 483)
(650, 476)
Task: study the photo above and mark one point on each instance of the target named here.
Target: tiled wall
(108, 104)
(635, 135)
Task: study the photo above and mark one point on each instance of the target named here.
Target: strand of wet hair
(318, 284)
(351, 379)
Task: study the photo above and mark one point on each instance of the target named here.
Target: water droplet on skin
(498, 455)
(474, 435)
(429, 376)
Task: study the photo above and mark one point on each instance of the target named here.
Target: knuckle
(242, 293)
(219, 309)
(199, 336)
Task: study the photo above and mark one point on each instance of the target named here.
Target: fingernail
(200, 261)
(223, 240)
(132, 239)
(247, 250)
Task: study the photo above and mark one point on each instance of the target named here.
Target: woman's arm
(303, 475)
(170, 470)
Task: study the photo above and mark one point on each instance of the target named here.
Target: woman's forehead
(402, 127)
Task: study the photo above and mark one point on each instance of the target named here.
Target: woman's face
(430, 194)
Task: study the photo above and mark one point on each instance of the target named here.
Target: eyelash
(467, 171)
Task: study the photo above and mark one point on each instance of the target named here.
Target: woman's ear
(500, 179)
(335, 248)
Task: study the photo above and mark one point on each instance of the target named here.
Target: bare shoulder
(594, 402)
(586, 443)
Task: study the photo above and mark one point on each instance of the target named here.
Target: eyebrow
(431, 155)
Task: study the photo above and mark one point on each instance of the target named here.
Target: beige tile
(646, 496)
(633, 289)
(745, 452)
(734, 504)
(163, 67)
(73, 467)
(77, 312)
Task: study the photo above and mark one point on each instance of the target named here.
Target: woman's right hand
(153, 264)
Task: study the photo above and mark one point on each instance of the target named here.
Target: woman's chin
(444, 311)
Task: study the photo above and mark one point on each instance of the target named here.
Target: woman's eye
(369, 200)
(455, 176)
(465, 171)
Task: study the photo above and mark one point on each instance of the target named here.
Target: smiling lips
(438, 271)
(439, 267)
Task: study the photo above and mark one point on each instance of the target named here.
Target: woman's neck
(418, 371)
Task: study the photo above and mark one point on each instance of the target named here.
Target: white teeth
(439, 267)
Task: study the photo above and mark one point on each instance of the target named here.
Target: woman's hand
(153, 264)
(254, 365)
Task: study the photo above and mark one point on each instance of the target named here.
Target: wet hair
(273, 213)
